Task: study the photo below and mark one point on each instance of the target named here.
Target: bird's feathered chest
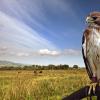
(93, 45)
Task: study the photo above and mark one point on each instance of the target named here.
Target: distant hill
(9, 63)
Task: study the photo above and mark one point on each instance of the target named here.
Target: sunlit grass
(48, 85)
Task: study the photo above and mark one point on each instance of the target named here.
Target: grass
(48, 85)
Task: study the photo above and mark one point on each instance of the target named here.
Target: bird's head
(93, 19)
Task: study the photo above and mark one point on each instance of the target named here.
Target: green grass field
(48, 85)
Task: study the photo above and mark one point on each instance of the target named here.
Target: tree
(75, 66)
(51, 66)
(65, 66)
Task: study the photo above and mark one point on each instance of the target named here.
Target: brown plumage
(91, 46)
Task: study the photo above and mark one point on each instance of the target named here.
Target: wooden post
(82, 93)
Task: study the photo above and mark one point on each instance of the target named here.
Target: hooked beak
(89, 20)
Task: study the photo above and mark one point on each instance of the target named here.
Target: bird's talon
(92, 86)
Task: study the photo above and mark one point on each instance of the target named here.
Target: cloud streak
(66, 52)
(33, 12)
(22, 54)
(72, 52)
(16, 32)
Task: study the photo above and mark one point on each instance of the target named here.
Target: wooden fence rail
(82, 93)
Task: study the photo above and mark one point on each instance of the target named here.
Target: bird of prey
(91, 46)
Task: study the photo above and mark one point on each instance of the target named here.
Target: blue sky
(43, 31)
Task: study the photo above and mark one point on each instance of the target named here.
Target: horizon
(43, 32)
(37, 64)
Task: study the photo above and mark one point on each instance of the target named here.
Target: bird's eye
(94, 17)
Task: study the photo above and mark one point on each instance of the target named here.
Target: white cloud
(48, 52)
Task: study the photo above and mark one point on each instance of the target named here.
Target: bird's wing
(86, 61)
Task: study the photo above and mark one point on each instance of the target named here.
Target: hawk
(91, 46)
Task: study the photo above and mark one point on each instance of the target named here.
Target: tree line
(39, 67)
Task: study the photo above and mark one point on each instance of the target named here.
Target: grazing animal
(19, 72)
(40, 71)
(91, 47)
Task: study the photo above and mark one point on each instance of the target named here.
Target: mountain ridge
(9, 63)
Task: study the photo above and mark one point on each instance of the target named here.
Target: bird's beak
(89, 20)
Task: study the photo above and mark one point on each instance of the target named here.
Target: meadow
(47, 85)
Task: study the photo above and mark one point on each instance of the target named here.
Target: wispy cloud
(16, 38)
(57, 6)
(22, 54)
(73, 52)
(3, 48)
(33, 12)
(66, 52)
(17, 32)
